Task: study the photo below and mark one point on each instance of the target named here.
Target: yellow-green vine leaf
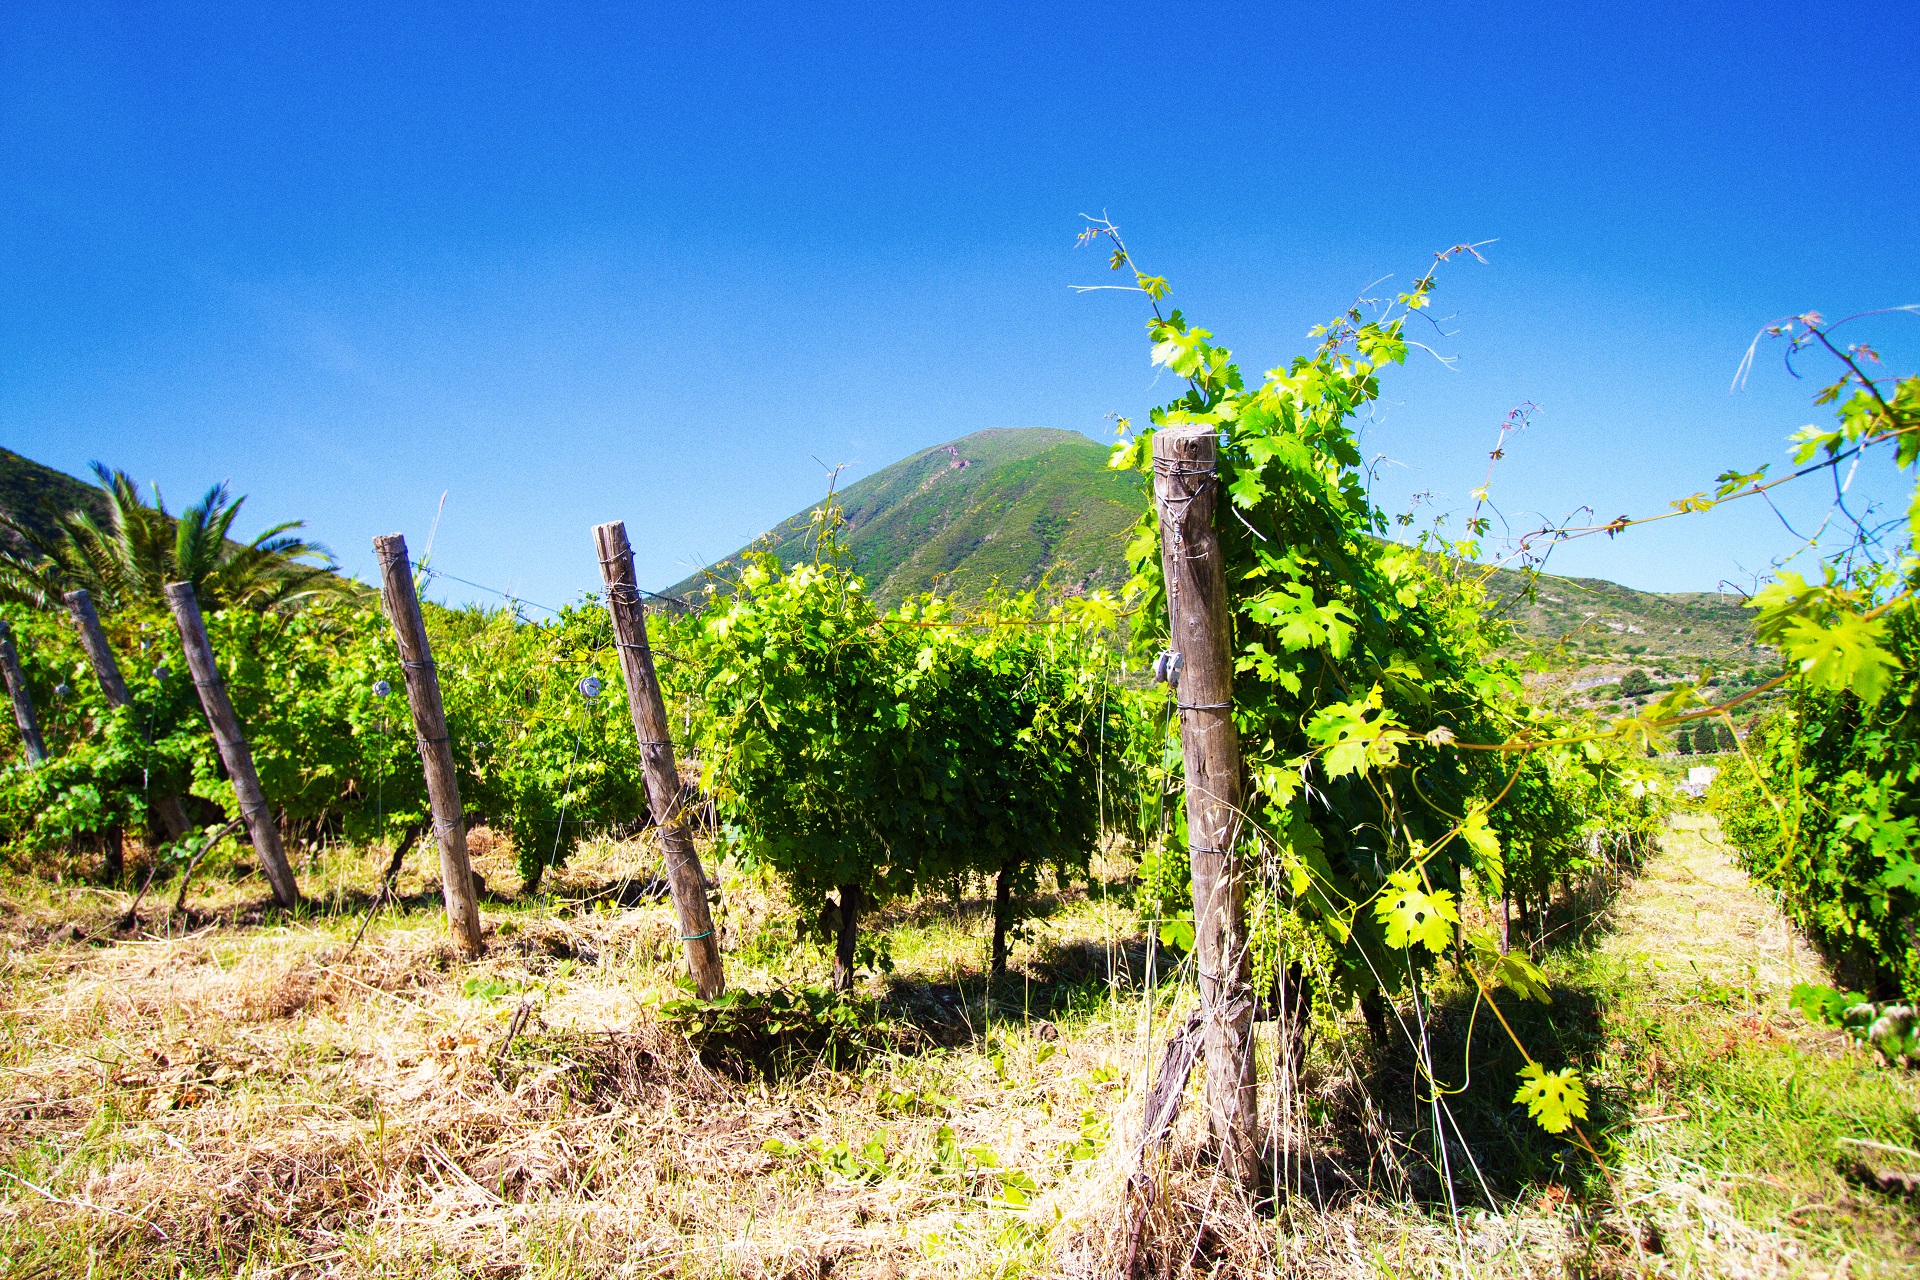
(1485, 843)
(1411, 914)
(1846, 653)
(1524, 978)
(1555, 1099)
(1513, 971)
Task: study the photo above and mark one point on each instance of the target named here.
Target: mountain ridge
(31, 493)
(931, 521)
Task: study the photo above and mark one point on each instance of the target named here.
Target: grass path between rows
(1692, 915)
(1745, 1154)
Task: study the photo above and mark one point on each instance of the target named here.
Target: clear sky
(572, 264)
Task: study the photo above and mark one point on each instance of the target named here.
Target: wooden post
(167, 808)
(1201, 629)
(430, 732)
(94, 641)
(685, 878)
(232, 741)
(22, 699)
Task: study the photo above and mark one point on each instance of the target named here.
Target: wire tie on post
(695, 937)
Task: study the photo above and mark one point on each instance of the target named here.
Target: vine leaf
(1354, 743)
(1844, 654)
(1485, 843)
(1411, 914)
(1903, 874)
(1555, 1099)
(1524, 978)
(1513, 971)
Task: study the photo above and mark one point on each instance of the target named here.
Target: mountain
(31, 493)
(1009, 506)
(1016, 505)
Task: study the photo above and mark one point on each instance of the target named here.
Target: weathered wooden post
(232, 741)
(430, 731)
(685, 878)
(167, 809)
(22, 699)
(1201, 630)
(94, 641)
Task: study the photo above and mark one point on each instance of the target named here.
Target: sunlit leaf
(1555, 1099)
(1412, 915)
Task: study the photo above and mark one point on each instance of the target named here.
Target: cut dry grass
(239, 1093)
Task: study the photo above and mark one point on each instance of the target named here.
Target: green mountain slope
(1015, 505)
(1599, 618)
(30, 493)
(1009, 506)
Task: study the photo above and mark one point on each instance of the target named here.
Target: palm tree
(140, 548)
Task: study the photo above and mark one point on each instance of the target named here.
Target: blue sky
(570, 264)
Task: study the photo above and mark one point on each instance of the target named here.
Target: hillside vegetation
(31, 493)
(1018, 506)
(1601, 618)
(1015, 506)
(1009, 506)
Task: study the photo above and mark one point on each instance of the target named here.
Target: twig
(1881, 1146)
(180, 899)
(379, 896)
(513, 1029)
(385, 891)
(400, 851)
(133, 912)
(84, 1204)
(1139, 1227)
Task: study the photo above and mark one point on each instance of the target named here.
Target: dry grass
(231, 1096)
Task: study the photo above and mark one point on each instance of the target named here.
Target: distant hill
(1599, 618)
(32, 493)
(1015, 505)
(1009, 506)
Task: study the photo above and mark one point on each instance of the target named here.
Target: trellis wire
(422, 567)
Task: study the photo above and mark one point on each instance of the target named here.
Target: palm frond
(140, 547)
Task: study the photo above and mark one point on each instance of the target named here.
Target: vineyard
(1263, 914)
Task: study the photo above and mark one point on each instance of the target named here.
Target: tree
(1683, 742)
(1635, 684)
(140, 548)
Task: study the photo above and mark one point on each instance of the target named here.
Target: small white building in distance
(1699, 778)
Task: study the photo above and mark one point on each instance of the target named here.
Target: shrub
(861, 756)
(1831, 819)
